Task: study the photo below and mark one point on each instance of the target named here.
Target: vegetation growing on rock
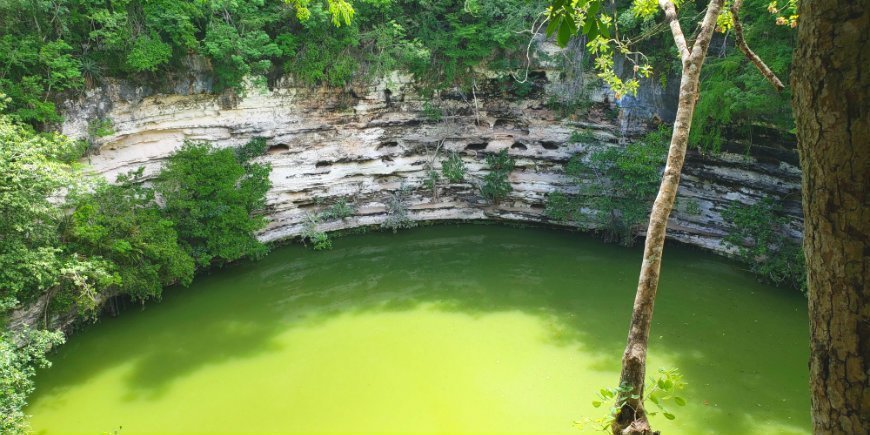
(616, 188)
(495, 185)
(761, 241)
(69, 241)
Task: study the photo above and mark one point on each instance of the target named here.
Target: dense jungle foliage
(50, 47)
(737, 105)
(106, 239)
(70, 240)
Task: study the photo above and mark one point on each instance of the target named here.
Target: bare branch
(762, 67)
(534, 31)
(671, 17)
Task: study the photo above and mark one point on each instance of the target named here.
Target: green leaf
(669, 416)
(553, 25)
(679, 401)
(596, 403)
(567, 29)
(590, 28)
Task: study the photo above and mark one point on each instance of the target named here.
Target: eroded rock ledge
(362, 143)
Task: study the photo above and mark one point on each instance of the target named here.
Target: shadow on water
(741, 346)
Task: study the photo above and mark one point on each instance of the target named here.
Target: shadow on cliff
(723, 341)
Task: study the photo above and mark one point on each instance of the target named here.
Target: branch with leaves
(341, 10)
(741, 43)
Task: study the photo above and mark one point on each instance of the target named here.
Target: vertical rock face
(363, 143)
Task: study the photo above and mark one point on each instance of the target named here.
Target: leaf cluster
(660, 390)
(214, 199)
(122, 224)
(72, 239)
(453, 168)
(758, 235)
(624, 181)
(495, 186)
(21, 355)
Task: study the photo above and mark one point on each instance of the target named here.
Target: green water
(441, 329)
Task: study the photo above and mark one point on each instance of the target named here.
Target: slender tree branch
(679, 39)
(741, 43)
(702, 42)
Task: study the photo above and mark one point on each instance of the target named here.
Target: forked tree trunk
(830, 79)
(632, 418)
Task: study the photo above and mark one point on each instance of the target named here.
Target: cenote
(466, 328)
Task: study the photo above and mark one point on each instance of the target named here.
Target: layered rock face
(364, 143)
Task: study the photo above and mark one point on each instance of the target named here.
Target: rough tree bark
(632, 418)
(830, 81)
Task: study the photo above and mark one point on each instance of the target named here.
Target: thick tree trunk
(632, 419)
(830, 80)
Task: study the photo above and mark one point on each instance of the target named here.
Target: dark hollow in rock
(477, 146)
(549, 145)
(388, 144)
(519, 146)
(322, 164)
(275, 149)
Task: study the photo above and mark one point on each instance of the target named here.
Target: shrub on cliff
(495, 185)
(34, 170)
(758, 235)
(625, 183)
(214, 197)
(122, 224)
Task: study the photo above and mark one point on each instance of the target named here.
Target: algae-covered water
(441, 329)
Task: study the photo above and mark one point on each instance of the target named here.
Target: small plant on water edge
(453, 168)
(397, 211)
(759, 236)
(661, 391)
(319, 240)
(631, 175)
(495, 185)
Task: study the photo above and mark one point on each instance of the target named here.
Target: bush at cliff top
(68, 45)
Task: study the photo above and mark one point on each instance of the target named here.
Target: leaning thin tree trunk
(632, 419)
(830, 81)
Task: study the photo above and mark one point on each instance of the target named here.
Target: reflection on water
(445, 329)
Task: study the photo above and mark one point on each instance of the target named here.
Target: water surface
(444, 329)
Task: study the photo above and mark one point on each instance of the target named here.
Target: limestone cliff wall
(362, 143)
